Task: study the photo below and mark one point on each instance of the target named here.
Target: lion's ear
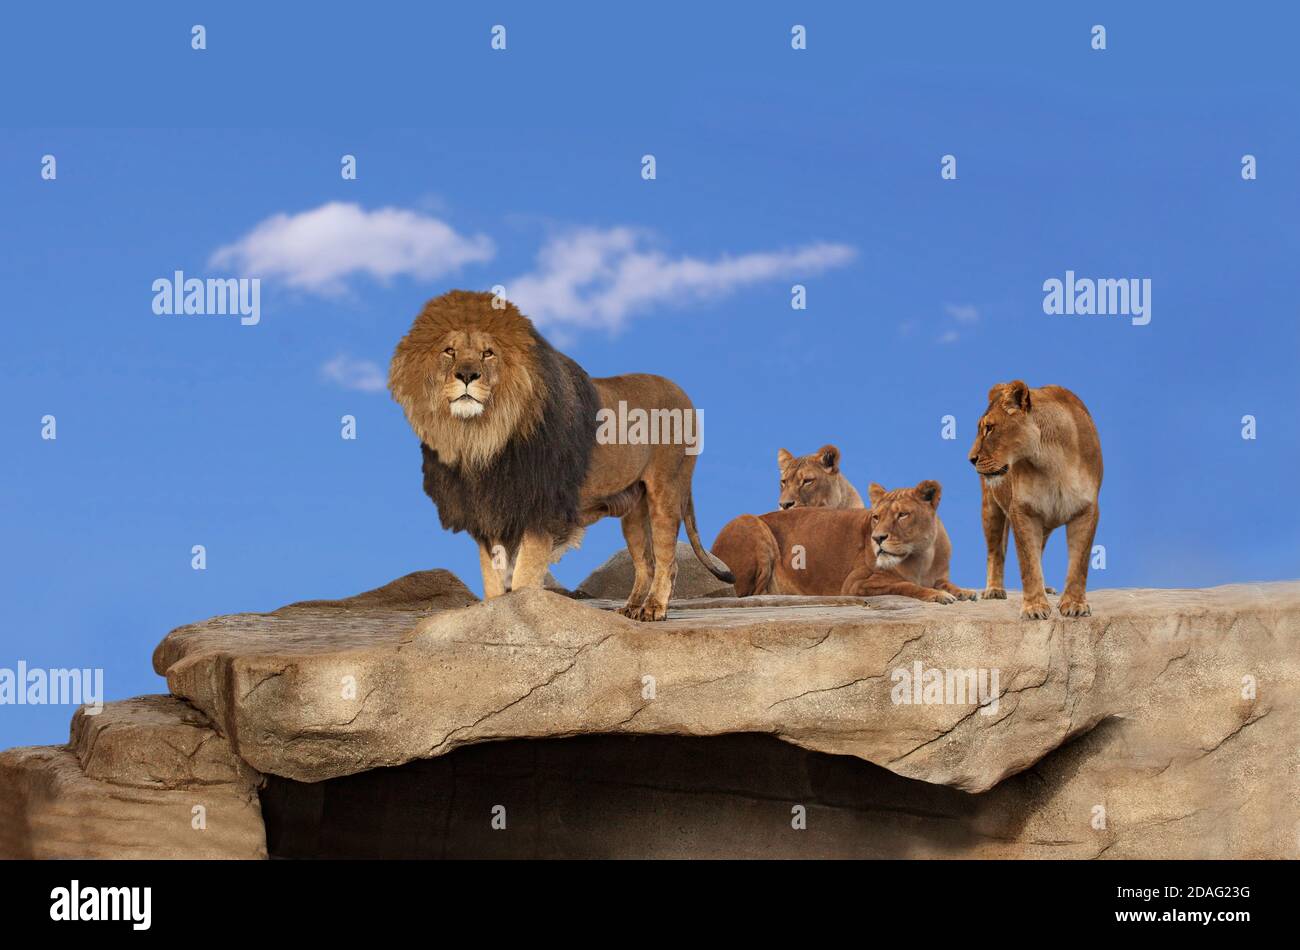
(830, 458)
(876, 493)
(783, 458)
(929, 491)
(1015, 396)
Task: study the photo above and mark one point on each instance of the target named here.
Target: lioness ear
(929, 491)
(783, 458)
(830, 457)
(875, 493)
(1015, 396)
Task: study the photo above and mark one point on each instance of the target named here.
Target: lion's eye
(806, 482)
(904, 515)
(488, 354)
(449, 351)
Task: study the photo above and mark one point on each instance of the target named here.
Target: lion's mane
(519, 466)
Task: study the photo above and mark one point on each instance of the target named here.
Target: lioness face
(902, 521)
(469, 370)
(1006, 432)
(808, 481)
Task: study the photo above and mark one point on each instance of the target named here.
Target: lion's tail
(716, 567)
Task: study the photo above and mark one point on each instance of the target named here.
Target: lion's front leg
(1029, 551)
(532, 561)
(493, 562)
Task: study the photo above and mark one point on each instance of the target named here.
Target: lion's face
(903, 521)
(466, 376)
(1006, 432)
(810, 480)
(469, 370)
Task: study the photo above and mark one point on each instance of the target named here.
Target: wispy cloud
(318, 250)
(598, 278)
(359, 375)
(962, 312)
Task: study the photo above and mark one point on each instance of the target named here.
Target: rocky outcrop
(145, 778)
(613, 579)
(1163, 725)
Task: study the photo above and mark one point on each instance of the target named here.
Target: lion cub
(1039, 458)
(815, 481)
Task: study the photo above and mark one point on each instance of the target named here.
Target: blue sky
(818, 167)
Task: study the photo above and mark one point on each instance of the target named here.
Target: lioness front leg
(861, 583)
(532, 561)
(995, 538)
(1029, 552)
(1079, 534)
(494, 584)
(961, 593)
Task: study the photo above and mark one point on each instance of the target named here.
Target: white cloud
(359, 375)
(597, 278)
(962, 312)
(949, 336)
(317, 250)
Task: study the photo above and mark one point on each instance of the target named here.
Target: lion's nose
(467, 375)
(879, 538)
(786, 504)
(974, 459)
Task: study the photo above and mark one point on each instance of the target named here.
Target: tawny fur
(815, 481)
(828, 551)
(1039, 458)
(508, 434)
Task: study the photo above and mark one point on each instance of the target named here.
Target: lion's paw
(1049, 590)
(1036, 610)
(1074, 607)
(964, 594)
(648, 612)
(994, 593)
(942, 597)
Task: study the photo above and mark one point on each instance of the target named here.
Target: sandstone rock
(128, 786)
(533, 665)
(613, 579)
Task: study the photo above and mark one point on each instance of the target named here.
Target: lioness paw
(942, 597)
(963, 594)
(1050, 590)
(994, 593)
(1074, 607)
(1035, 610)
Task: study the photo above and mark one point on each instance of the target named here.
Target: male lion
(815, 481)
(508, 427)
(898, 546)
(1039, 459)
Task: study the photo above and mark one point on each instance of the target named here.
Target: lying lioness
(815, 481)
(898, 546)
(1039, 459)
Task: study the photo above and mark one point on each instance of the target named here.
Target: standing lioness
(1039, 459)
